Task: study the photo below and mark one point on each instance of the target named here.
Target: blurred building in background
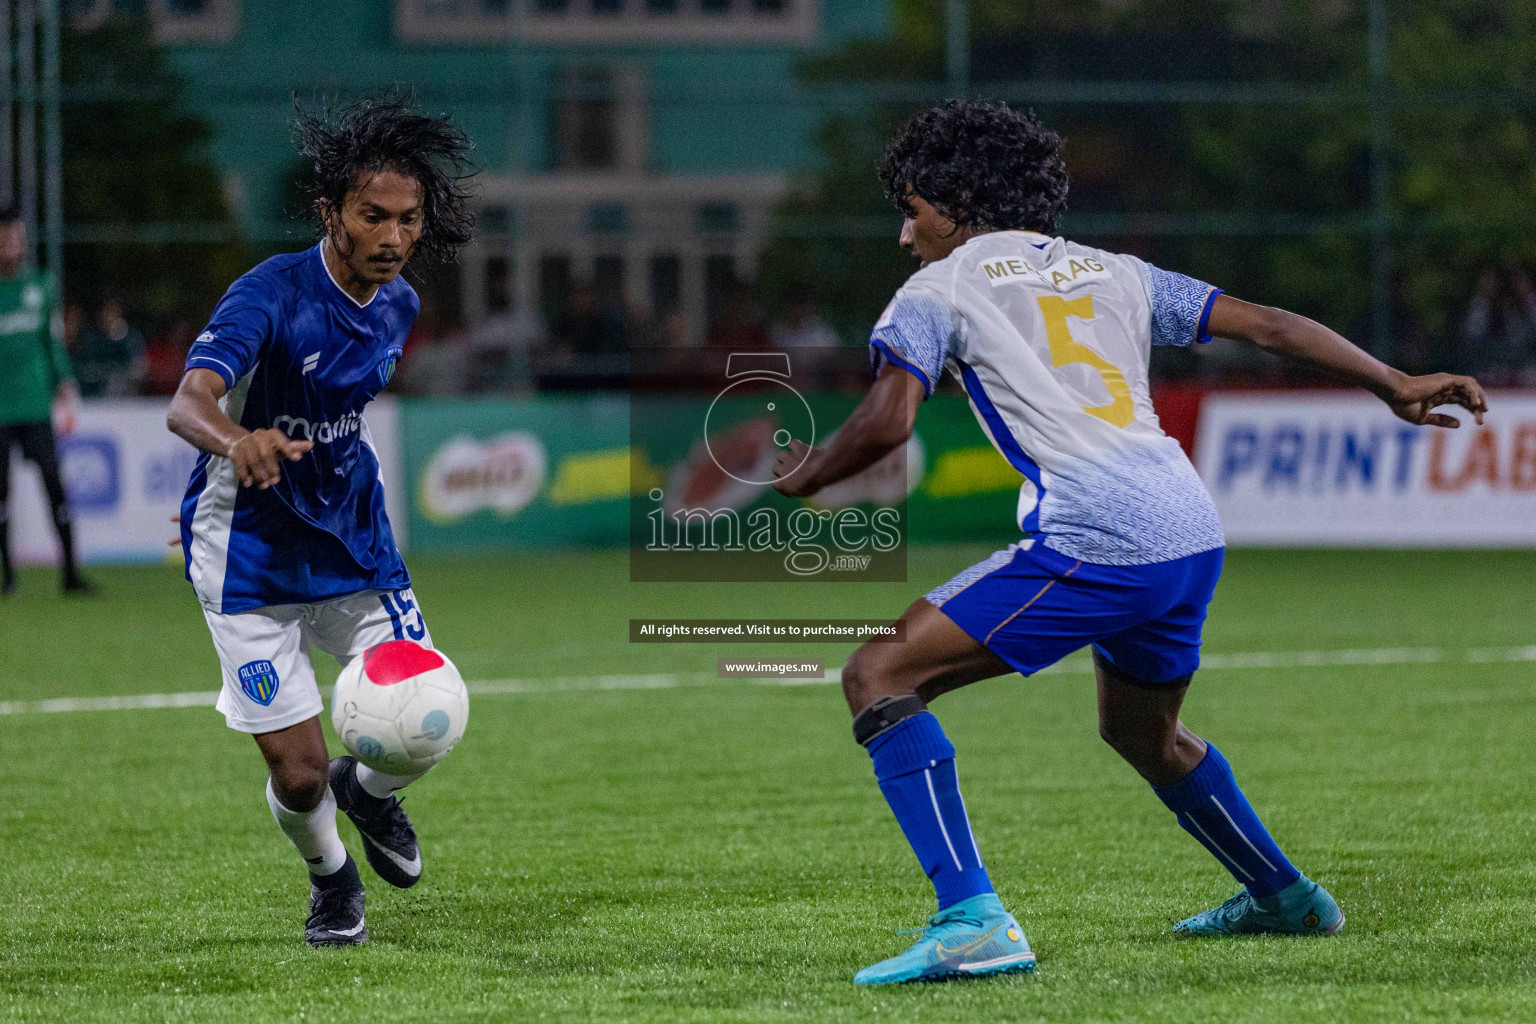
(669, 174)
(631, 154)
(682, 172)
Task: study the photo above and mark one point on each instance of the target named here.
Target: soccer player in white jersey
(1122, 547)
(286, 538)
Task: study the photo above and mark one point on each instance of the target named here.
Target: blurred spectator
(1416, 349)
(435, 365)
(74, 323)
(166, 357)
(667, 329)
(500, 348)
(1477, 325)
(110, 361)
(1498, 333)
(801, 325)
(587, 328)
(589, 342)
(738, 326)
(1519, 345)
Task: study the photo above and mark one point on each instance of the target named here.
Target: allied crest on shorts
(387, 367)
(259, 681)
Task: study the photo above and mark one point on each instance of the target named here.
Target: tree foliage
(135, 156)
(1282, 178)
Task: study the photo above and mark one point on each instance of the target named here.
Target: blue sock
(1211, 808)
(915, 763)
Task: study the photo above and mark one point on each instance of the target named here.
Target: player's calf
(1193, 780)
(299, 797)
(1140, 720)
(1161, 756)
(1210, 807)
(336, 891)
(915, 765)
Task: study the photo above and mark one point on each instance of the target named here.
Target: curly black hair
(386, 131)
(980, 164)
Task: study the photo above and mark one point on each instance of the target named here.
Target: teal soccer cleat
(1301, 908)
(971, 939)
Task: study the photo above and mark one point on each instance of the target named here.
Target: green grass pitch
(718, 851)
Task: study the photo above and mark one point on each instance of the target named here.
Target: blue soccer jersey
(300, 355)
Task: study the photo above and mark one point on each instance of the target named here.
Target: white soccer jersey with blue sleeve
(1051, 341)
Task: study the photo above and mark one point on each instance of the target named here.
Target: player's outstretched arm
(1307, 341)
(881, 423)
(196, 418)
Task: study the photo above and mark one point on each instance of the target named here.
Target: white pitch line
(1488, 655)
(1315, 659)
(558, 684)
(132, 702)
(1304, 659)
(671, 680)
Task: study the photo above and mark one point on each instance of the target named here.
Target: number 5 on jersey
(1064, 352)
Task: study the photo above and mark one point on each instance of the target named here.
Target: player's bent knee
(866, 680)
(301, 786)
(855, 680)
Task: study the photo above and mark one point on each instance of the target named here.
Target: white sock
(379, 785)
(312, 833)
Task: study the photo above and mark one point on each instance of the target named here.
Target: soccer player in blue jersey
(286, 539)
(1122, 546)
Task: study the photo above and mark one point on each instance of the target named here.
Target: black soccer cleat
(336, 914)
(388, 839)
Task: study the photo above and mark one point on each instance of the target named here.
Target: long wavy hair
(386, 131)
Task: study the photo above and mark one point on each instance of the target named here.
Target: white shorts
(269, 682)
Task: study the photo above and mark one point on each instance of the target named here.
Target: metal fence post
(26, 136)
(53, 156)
(1382, 340)
(7, 108)
(957, 46)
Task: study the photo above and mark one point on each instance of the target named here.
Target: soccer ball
(400, 707)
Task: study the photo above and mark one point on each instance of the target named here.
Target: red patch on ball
(398, 660)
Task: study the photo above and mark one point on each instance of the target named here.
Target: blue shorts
(1032, 606)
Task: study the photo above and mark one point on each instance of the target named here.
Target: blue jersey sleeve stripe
(218, 366)
(1012, 450)
(1202, 335)
(917, 371)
